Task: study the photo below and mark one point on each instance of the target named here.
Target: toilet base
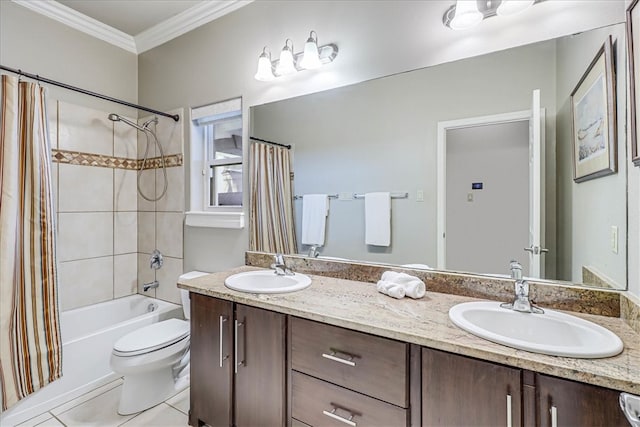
(145, 390)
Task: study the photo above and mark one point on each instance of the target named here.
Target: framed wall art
(593, 111)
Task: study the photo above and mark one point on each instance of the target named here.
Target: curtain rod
(175, 117)
(271, 142)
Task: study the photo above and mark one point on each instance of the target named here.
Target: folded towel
(377, 219)
(413, 286)
(391, 289)
(315, 208)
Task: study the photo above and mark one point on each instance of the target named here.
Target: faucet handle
(279, 259)
(516, 270)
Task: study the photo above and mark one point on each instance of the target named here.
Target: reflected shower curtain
(30, 347)
(271, 221)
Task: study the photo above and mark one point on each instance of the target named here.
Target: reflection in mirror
(456, 138)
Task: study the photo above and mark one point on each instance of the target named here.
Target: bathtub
(88, 335)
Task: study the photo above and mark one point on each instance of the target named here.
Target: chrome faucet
(150, 285)
(521, 302)
(313, 251)
(279, 266)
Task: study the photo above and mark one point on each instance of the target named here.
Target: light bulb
(511, 7)
(466, 16)
(265, 70)
(286, 64)
(311, 56)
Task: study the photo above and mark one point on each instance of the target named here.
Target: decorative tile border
(103, 161)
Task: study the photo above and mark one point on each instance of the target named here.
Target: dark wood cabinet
(565, 403)
(460, 391)
(211, 362)
(238, 367)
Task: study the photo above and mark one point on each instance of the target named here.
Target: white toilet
(154, 360)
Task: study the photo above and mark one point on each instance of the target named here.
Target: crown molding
(186, 21)
(169, 29)
(81, 22)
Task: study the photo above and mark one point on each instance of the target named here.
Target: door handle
(221, 336)
(536, 250)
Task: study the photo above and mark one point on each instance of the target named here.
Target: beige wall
(587, 210)
(40, 45)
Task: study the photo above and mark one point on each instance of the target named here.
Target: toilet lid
(152, 337)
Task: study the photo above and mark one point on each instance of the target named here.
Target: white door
(536, 188)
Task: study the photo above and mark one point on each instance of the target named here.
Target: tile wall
(105, 231)
(160, 223)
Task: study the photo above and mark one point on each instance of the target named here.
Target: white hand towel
(413, 286)
(315, 208)
(377, 219)
(391, 289)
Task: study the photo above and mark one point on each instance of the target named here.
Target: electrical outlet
(420, 196)
(469, 197)
(614, 239)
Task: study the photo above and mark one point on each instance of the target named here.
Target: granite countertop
(359, 306)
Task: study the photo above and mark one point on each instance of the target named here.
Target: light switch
(469, 197)
(420, 196)
(614, 239)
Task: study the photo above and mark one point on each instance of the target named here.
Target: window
(216, 165)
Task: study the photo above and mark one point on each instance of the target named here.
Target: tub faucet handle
(156, 260)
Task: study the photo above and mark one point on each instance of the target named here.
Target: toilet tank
(184, 294)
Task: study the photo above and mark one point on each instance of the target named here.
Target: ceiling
(134, 25)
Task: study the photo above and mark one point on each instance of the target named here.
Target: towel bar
(393, 196)
(331, 196)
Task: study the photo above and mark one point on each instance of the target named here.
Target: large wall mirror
(456, 139)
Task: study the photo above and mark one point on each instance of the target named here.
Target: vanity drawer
(372, 365)
(319, 403)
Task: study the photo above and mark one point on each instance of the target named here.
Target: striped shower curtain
(30, 347)
(271, 220)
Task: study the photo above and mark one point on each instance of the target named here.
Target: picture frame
(633, 48)
(593, 116)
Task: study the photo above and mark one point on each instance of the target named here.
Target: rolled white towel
(391, 289)
(399, 278)
(415, 289)
(413, 286)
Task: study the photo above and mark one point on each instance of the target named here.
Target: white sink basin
(553, 333)
(266, 282)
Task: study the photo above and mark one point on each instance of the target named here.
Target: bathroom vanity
(340, 353)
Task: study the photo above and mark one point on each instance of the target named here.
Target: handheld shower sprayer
(145, 126)
(146, 130)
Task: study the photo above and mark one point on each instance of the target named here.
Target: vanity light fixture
(467, 13)
(286, 64)
(265, 67)
(312, 57)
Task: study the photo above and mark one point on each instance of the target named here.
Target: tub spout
(150, 285)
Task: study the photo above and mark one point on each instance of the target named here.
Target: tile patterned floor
(99, 408)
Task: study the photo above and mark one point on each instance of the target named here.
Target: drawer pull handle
(335, 416)
(332, 356)
(237, 362)
(554, 416)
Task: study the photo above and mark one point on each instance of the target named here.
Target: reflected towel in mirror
(377, 218)
(315, 208)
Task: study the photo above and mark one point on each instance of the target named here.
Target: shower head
(116, 118)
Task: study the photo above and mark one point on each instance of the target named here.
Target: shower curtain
(30, 347)
(271, 220)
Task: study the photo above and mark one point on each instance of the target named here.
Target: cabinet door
(211, 361)
(459, 391)
(564, 403)
(260, 388)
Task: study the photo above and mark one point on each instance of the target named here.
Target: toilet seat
(151, 338)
